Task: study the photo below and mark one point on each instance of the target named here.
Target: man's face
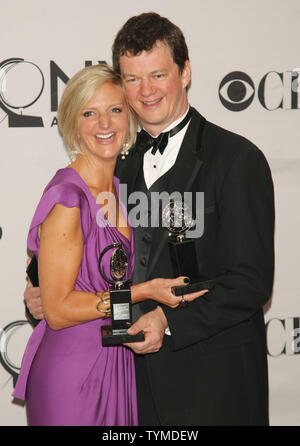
(155, 87)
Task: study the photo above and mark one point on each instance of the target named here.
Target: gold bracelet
(102, 311)
(104, 296)
(105, 299)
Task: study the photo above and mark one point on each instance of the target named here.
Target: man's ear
(186, 74)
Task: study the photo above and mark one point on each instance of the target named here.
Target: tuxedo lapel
(189, 159)
(127, 170)
(184, 172)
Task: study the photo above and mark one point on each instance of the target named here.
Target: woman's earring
(124, 150)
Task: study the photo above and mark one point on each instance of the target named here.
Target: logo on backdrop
(9, 358)
(22, 83)
(275, 90)
(283, 336)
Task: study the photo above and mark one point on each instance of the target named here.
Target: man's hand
(32, 297)
(153, 324)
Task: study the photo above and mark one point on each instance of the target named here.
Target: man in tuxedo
(204, 363)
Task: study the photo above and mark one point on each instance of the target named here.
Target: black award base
(185, 263)
(118, 337)
(184, 258)
(121, 320)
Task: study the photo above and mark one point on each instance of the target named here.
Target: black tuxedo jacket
(212, 370)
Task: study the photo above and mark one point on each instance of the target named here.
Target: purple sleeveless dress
(67, 378)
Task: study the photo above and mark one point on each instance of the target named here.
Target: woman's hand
(160, 290)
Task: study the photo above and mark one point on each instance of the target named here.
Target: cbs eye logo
(21, 85)
(275, 90)
(236, 91)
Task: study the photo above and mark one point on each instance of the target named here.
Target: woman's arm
(160, 290)
(60, 253)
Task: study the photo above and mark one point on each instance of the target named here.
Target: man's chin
(153, 122)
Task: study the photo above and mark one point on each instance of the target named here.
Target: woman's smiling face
(104, 123)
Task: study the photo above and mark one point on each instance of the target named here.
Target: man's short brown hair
(142, 32)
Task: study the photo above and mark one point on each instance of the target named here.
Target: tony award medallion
(177, 218)
(120, 299)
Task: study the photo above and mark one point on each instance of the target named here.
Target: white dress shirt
(156, 165)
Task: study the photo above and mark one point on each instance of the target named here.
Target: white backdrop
(256, 37)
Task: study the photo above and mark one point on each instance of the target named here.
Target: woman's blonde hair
(79, 91)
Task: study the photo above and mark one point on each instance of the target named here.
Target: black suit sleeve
(245, 254)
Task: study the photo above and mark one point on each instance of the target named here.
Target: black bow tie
(144, 141)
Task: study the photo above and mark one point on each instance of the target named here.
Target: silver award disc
(118, 264)
(177, 217)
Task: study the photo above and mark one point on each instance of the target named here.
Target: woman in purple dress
(67, 377)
